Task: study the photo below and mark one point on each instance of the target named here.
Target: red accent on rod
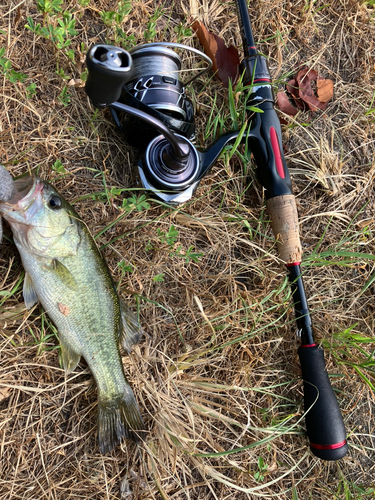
(276, 149)
(329, 446)
(262, 80)
(308, 345)
(293, 264)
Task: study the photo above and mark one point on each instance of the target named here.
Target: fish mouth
(26, 191)
(23, 188)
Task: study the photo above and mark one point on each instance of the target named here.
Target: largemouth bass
(65, 271)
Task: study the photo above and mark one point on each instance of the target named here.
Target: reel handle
(109, 68)
(324, 422)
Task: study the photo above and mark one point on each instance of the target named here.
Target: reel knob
(164, 171)
(109, 68)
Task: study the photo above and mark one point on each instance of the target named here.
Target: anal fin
(29, 294)
(69, 357)
(131, 329)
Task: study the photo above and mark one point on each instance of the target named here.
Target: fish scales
(93, 311)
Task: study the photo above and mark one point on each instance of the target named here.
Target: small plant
(59, 35)
(31, 90)
(170, 237)
(349, 490)
(47, 332)
(150, 33)
(115, 192)
(344, 344)
(49, 6)
(58, 167)
(294, 493)
(70, 54)
(59, 28)
(240, 112)
(262, 469)
(136, 203)
(114, 19)
(124, 268)
(371, 109)
(182, 32)
(189, 255)
(84, 75)
(127, 41)
(7, 70)
(61, 73)
(124, 8)
(64, 96)
(149, 246)
(158, 277)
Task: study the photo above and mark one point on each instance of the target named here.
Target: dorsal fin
(131, 329)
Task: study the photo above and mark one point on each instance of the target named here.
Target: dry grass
(217, 370)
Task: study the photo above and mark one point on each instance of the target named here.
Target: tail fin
(119, 417)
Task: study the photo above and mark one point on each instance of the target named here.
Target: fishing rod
(324, 422)
(147, 100)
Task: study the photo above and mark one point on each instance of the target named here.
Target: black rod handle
(324, 423)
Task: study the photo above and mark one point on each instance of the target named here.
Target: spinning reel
(148, 103)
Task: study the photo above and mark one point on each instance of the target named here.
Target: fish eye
(55, 202)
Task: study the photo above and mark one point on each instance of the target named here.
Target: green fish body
(67, 274)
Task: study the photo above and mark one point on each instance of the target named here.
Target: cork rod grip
(284, 221)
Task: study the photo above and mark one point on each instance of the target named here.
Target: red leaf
(225, 59)
(284, 104)
(292, 88)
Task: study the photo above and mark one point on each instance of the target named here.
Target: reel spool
(155, 80)
(156, 83)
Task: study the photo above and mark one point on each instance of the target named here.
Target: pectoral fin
(131, 329)
(69, 357)
(64, 274)
(29, 294)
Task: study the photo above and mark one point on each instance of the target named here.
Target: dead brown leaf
(225, 59)
(292, 88)
(300, 87)
(304, 78)
(324, 89)
(284, 104)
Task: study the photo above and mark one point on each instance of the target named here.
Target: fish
(66, 273)
(6, 191)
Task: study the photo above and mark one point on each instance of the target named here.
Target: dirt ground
(217, 375)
